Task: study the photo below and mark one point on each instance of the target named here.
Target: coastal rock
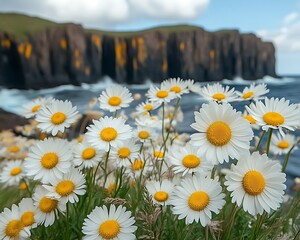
(67, 54)
(10, 120)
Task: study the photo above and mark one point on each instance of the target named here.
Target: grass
(19, 25)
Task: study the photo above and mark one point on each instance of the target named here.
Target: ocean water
(289, 88)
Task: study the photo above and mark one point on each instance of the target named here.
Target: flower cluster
(105, 176)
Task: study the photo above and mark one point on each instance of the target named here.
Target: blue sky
(273, 20)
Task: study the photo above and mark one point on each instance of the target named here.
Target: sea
(12, 100)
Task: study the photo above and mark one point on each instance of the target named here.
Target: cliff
(68, 54)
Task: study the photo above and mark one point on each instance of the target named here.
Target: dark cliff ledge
(68, 54)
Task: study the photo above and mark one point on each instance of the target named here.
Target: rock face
(66, 54)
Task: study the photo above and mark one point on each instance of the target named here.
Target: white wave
(267, 79)
(11, 100)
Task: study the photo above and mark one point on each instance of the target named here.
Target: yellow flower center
(144, 134)
(283, 144)
(49, 160)
(248, 95)
(253, 182)
(219, 96)
(79, 139)
(109, 229)
(13, 228)
(88, 153)
(114, 101)
(250, 119)
(110, 187)
(158, 154)
(218, 133)
(47, 205)
(161, 196)
(13, 149)
(27, 218)
(124, 152)
(35, 108)
(58, 118)
(198, 200)
(175, 89)
(273, 118)
(65, 187)
(23, 186)
(15, 171)
(138, 164)
(191, 161)
(108, 134)
(148, 107)
(162, 94)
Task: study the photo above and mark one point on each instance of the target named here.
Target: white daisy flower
(110, 184)
(27, 212)
(67, 188)
(146, 107)
(186, 160)
(48, 159)
(169, 112)
(196, 198)
(176, 85)
(282, 145)
(160, 95)
(108, 132)
(276, 114)
(11, 226)
(253, 92)
(251, 120)
(218, 93)
(56, 117)
(223, 132)
(47, 208)
(114, 98)
(144, 133)
(30, 109)
(257, 183)
(115, 223)
(86, 156)
(161, 192)
(12, 173)
(148, 121)
(122, 155)
(138, 166)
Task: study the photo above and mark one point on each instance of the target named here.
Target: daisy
(47, 208)
(253, 92)
(196, 198)
(218, 93)
(282, 145)
(160, 95)
(148, 121)
(144, 133)
(12, 173)
(176, 85)
(56, 117)
(251, 120)
(115, 223)
(110, 184)
(67, 188)
(161, 192)
(223, 132)
(169, 112)
(11, 226)
(147, 106)
(30, 109)
(27, 212)
(122, 155)
(86, 156)
(48, 159)
(138, 166)
(186, 160)
(275, 114)
(114, 98)
(108, 132)
(257, 183)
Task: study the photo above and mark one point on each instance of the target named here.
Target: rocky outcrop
(66, 54)
(10, 120)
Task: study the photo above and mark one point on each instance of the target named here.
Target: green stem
(269, 141)
(213, 172)
(105, 168)
(163, 122)
(259, 142)
(287, 156)
(257, 226)
(228, 226)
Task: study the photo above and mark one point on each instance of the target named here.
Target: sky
(273, 20)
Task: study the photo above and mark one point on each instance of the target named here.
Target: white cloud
(290, 18)
(108, 13)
